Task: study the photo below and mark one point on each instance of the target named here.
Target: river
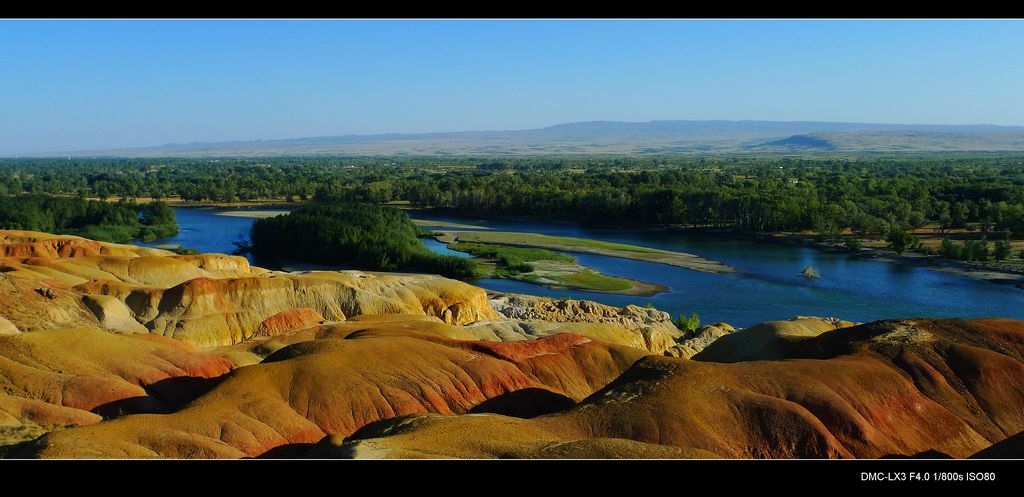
(767, 284)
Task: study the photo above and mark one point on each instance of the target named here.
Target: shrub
(689, 324)
(900, 240)
(950, 249)
(1002, 250)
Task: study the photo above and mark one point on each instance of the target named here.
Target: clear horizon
(94, 85)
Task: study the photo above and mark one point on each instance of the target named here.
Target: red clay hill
(114, 351)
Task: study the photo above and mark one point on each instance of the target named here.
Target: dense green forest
(105, 221)
(875, 197)
(363, 236)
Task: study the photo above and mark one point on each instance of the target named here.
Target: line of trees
(869, 196)
(105, 221)
(976, 250)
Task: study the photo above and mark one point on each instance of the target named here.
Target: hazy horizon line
(492, 130)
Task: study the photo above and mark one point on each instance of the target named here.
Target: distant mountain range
(612, 137)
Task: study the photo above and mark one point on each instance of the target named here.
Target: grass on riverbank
(549, 268)
(589, 279)
(511, 256)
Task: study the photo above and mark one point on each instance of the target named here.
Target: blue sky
(81, 85)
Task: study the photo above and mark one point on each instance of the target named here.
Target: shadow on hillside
(526, 403)
(164, 396)
(289, 451)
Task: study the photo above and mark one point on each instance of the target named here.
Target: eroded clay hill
(92, 330)
(118, 351)
(54, 281)
(339, 377)
(883, 388)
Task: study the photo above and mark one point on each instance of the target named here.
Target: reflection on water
(767, 285)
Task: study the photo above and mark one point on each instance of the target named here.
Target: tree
(967, 253)
(363, 236)
(1002, 250)
(900, 240)
(981, 250)
(829, 223)
(917, 219)
(943, 216)
(950, 249)
(959, 213)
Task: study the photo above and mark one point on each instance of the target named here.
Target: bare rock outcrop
(652, 330)
(7, 328)
(53, 282)
(692, 343)
(113, 314)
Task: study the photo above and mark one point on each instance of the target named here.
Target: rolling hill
(612, 137)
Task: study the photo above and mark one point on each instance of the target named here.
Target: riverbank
(975, 270)
(446, 224)
(552, 270)
(1002, 273)
(767, 284)
(254, 214)
(587, 246)
(264, 213)
(558, 275)
(176, 201)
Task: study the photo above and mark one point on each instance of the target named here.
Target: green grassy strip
(592, 281)
(509, 255)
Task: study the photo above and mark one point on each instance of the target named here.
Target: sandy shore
(168, 246)
(255, 214)
(967, 270)
(587, 246)
(975, 271)
(959, 268)
(445, 224)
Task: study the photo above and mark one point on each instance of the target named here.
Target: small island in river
(532, 257)
(549, 268)
(587, 246)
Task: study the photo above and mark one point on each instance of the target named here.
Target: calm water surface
(767, 284)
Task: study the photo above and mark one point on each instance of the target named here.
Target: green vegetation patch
(511, 256)
(117, 222)
(547, 267)
(590, 280)
(370, 237)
